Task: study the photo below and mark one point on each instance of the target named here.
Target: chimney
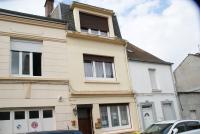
(48, 7)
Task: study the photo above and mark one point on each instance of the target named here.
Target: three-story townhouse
(100, 89)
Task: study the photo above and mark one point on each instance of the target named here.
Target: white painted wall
(140, 79)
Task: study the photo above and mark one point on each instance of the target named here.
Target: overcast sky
(169, 29)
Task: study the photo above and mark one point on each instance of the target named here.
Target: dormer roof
(67, 15)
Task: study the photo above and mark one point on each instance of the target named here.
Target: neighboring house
(34, 86)
(187, 76)
(70, 73)
(153, 85)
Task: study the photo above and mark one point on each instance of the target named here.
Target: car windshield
(158, 129)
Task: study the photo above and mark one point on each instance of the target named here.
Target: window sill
(35, 79)
(24, 76)
(107, 39)
(102, 81)
(156, 91)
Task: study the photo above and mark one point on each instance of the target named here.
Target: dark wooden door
(85, 120)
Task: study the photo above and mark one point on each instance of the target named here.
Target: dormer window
(94, 24)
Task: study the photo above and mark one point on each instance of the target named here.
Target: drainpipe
(130, 85)
(176, 94)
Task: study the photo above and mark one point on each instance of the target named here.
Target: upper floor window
(152, 75)
(98, 66)
(26, 57)
(94, 24)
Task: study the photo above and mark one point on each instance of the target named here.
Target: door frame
(90, 107)
(147, 103)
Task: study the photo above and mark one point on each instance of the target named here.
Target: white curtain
(88, 69)
(114, 116)
(104, 116)
(15, 62)
(124, 115)
(109, 70)
(99, 69)
(25, 63)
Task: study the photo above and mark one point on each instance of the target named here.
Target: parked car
(57, 132)
(174, 127)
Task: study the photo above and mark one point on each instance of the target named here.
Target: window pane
(114, 116)
(152, 76)
(124, 115)
(25, 63)
(47, 114)
(84, 30)
(104, 116)
(191, 125)
(99, 69)
(94, 31)
(19, 115)
(37, 64)
(168, 111)
(104, 33)
(181, 127)
(88, 69)
(4, 115)
(109, 70)
(33, 114)
(15, 62)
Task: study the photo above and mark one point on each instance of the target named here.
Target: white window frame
(89, 31)
(110, 128)
(152, 78)
(27, 46)
(104, 72)
(20, 64)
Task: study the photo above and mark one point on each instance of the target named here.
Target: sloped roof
(137, 54)
(29, 16)
(196, 54)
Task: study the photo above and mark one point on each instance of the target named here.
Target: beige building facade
(52, 77)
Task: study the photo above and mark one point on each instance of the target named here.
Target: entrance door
(85, 119)
(147, 115)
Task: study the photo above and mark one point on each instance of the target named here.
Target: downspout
(176, 94)
(130, 85)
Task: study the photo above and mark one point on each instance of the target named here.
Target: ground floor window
(115, 116)
(168, 110)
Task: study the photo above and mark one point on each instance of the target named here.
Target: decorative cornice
(31, 36)
(101, 93)
(95, 38)
(154, 93)
(32, 21)
(91, 8)
(32, 80)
